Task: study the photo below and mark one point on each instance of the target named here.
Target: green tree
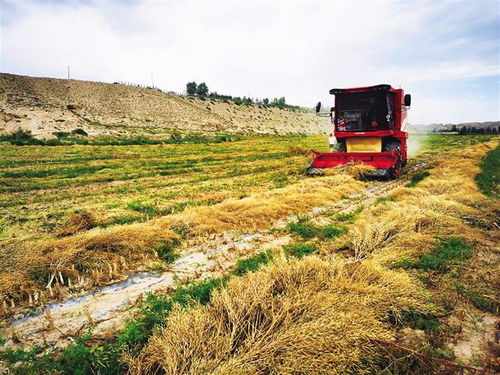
(265, 101)
(281, 102)
(247, 101)
(191, 88)
(202, 90)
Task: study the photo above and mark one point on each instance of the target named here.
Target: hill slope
(47, 105)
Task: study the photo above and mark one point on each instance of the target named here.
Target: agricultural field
(42, 186)
(255, 267)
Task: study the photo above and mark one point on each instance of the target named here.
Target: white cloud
(467, 109)
(265, 49)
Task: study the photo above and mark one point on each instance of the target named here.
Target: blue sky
(446, 54)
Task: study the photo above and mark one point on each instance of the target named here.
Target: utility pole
(68, 72)
(152, 81)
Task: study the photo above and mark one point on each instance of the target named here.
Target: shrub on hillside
(61, 134)
(79, 131)
(20, 137)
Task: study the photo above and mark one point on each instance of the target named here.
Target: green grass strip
(448, 252)
(488, 179)
(307, 230)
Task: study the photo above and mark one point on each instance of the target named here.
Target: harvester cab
(369, 127)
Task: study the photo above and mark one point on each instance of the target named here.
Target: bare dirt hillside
(48, 105)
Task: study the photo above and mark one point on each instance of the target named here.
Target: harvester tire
(392, 145)
(395, 171)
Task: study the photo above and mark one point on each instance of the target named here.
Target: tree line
(469, 130)
(201, 91)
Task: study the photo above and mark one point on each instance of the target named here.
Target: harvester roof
(353, 90)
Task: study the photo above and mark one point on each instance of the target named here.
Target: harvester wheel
(393, 145)
(395, 171)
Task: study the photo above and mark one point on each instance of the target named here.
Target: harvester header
(369, 127)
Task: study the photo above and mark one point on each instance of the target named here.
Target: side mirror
(407, 100)
(318, 107)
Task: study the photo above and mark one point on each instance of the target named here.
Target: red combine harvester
(369, 127)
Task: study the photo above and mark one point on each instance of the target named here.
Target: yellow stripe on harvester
(364, 144)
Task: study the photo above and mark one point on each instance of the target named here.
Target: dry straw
(261, 210)
(434, 208)
(39, 272)
(309, 317)
(323, 316)
(96, 256)
(351, 169)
